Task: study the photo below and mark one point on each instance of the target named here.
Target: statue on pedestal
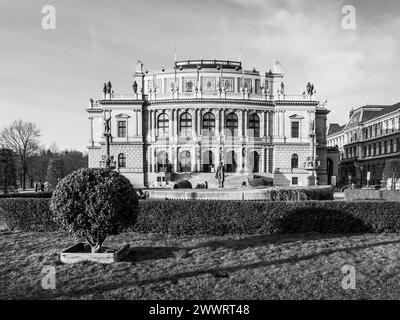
(282, 88)
(134, 86)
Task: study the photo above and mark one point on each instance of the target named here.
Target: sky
(48, 76)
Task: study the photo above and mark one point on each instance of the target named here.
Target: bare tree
(23, 138)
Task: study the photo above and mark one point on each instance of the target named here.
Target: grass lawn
(303, 266)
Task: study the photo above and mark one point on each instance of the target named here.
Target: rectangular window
(295, 129)
(295, 181)
(122, 129)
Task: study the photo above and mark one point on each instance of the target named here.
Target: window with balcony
(121, 129)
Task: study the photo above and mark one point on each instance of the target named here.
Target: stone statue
(312, 126)
(308, 88)
(107, 126)
(282, 88)
(105, 88)
(134, 86)
(109, 86)
(220, 175)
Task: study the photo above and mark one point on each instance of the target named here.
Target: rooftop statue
(109, 86)
(135, 86)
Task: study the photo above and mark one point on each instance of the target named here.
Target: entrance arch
(207, 161)
(231, 161)
(185, 162)
(254, 162)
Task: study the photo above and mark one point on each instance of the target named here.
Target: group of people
(202, 185)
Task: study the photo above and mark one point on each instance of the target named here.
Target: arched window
(231, 124)
(186, 124)
(121, 160)
(163, 125)
(208, 122)
(295, 161)
(254, 124)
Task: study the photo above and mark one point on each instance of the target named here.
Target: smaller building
(366, 142)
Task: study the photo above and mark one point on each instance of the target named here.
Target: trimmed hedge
(27, 195)
(182, 217)
(299, 193)
(26, 214)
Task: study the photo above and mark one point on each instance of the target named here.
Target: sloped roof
(385, 110)
(334, 128)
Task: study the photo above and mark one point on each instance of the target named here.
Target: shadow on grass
(138, 254)
(224, 272)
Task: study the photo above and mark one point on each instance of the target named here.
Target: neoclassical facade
(184, 121)
(369, 138)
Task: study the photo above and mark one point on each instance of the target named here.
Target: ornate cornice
(219, 101)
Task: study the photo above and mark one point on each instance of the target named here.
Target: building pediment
(296, 116)
(122, 115)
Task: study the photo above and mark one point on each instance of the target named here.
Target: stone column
(199, 117)
(217, 120)
(171, 126)
(177, 123)
(223, 122)
(262, 133)
(151, 125)
(135, 121)
(267, 165)
(240, 127)
(283, 124)
(246, 113)
(155, 125)
(149, 153)
(268, 123)
(91, 141)
(139, 121)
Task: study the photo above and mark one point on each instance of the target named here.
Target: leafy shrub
(27, 195)
(183, 184)
(299, 194)
(94, 203)
(26, 214)
(260, 182)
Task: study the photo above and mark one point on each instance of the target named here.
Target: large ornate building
(369, 138)
(187, 120)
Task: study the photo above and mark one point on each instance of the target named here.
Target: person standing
(220, 175)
